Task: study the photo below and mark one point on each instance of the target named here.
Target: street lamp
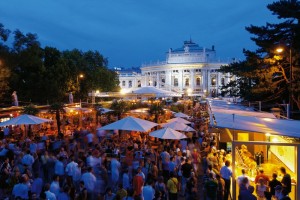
(290, 105)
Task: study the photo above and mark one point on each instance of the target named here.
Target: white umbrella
(178, 119)
(25, 120)
(178, 126)
(105, 110)
(167, 133)
(182, 115)
(130, 124)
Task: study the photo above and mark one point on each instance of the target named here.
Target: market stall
(258, 140)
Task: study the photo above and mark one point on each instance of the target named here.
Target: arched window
(175, 81)
(198, 81)
(213, 81)
(187, 82)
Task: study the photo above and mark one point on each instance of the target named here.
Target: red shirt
(265, 177)
(138, 183)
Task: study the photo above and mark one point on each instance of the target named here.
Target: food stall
(259, 140)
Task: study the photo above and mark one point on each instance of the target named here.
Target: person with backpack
(173, 186)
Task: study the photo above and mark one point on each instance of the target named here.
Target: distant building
(189, 69)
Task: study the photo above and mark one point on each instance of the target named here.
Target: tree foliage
(265, 75)
(46, 75)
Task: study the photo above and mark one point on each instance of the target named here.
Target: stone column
(192, 83)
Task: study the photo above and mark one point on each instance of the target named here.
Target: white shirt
(148, 192)
(21, 190)
(59, 168)
(71, 168)
(50, 195)
(90, 137)
(54, 188)
(89, 181)
(27, 160)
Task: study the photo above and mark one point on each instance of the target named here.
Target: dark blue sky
(133, 32)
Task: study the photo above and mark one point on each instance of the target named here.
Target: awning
(247, 120)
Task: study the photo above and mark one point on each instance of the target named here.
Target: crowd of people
(93, 165)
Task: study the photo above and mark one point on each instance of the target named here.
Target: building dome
(190, 52)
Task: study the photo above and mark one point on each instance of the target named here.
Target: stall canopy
(236, 117)
(156, 91)
(178, 126)
(182, 115)
(130, 124)
(168, 133)
(25, 120)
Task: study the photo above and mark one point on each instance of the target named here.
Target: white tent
(130, 124)
(153, 90)
(168, 133)
(178, 126)
(178, 119)
(25, 120)
(182, 115)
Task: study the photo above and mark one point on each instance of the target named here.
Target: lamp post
(78, 77)
(290, 105)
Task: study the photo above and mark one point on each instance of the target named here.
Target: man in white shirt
(54, 187)
(241, 177)
(21, 190)
(49, 195)
(226, 174)
(89, 180)
(148, 191)
(28, 159)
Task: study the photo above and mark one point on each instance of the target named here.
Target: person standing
(115, 172)
(273, 183)
(137, 184)
(211, 188)
(89, 180)
(173, 186)
(186, 169)
(226, 174)
(148, 191)
(221, 187)
(286, 181)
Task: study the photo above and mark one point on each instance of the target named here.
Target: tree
(4, 60)
(119, 107)
(156, 109)
(57, 108)
(264, 75)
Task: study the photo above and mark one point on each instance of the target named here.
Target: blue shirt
(21, 190)
(225, 172)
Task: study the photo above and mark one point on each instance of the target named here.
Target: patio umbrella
(182, 115)
(178, 126)
(167, 133)
(105, 110)
(178, 119)
(130, 124)
(25, 120)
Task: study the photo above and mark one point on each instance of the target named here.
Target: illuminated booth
(258, 140)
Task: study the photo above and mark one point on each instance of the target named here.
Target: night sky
(133, 32)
